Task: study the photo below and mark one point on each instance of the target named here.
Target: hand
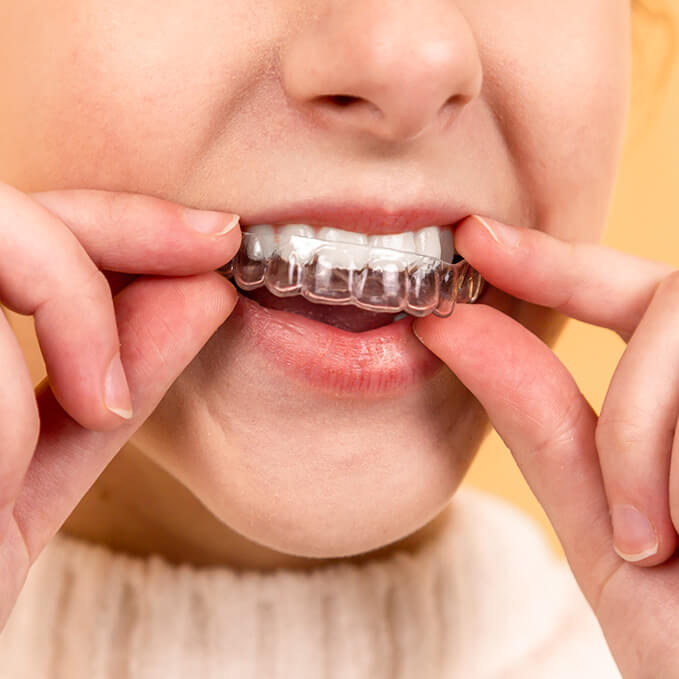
(62, 256)
(579, 465)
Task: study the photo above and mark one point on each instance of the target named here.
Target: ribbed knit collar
(467, 604)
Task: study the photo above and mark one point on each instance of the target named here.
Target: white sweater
(485, 600)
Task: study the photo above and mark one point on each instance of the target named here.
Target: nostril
(337, 103)
(450, 108)
(340, 100)
(456, 102)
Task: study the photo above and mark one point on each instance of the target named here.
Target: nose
(388, 68)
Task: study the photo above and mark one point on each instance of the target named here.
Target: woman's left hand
(577, 464)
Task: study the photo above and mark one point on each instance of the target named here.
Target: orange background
(644, 220)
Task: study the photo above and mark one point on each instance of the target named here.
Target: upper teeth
(431, 241)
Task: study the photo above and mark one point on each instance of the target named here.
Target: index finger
(588, 282)
(163, 324)
(134, 233)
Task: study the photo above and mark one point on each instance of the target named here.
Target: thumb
(163, 323)
(537, 409)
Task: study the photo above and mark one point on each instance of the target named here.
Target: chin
(345, 503)
(309, 474)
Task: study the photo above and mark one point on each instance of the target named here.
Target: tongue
(347, 318)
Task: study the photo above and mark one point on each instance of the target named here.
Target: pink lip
(386, 360)
(359, 217)
(367, 364)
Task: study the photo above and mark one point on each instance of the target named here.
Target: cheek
(559, 88)
(117, 95)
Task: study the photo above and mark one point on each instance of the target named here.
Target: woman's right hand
(63, 255)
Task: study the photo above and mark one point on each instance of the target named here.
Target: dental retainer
(371, 278)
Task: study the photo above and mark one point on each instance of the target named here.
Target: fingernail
(210, 222)
(116, 392)
(634, 536)
(505, 236)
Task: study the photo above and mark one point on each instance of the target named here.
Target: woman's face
(300, 436)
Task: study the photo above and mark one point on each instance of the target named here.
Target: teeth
(341, 236)
(351, 251)
(428, 241)
(303, 247)
(403, 242)
(346, 256)
(263, 246)
(288, 230)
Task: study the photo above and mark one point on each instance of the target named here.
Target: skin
(217, 466)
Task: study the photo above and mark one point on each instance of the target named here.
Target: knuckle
(92, 284)
(75, 274)
(558, 440)
(97, 282)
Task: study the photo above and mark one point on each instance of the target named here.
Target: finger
(635, 431)
(674, 478)
(588, 282)
(46, 273)
(163, 325)
(538, 410)
(133, 233)
(19, 422)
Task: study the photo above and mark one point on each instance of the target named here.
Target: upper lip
(374, 219)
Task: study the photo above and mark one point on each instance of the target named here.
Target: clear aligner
(371, 278)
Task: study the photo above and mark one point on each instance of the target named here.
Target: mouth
(382, 276)
(349, 329)
(351, 280)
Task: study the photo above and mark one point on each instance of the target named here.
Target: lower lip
(372, 363)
